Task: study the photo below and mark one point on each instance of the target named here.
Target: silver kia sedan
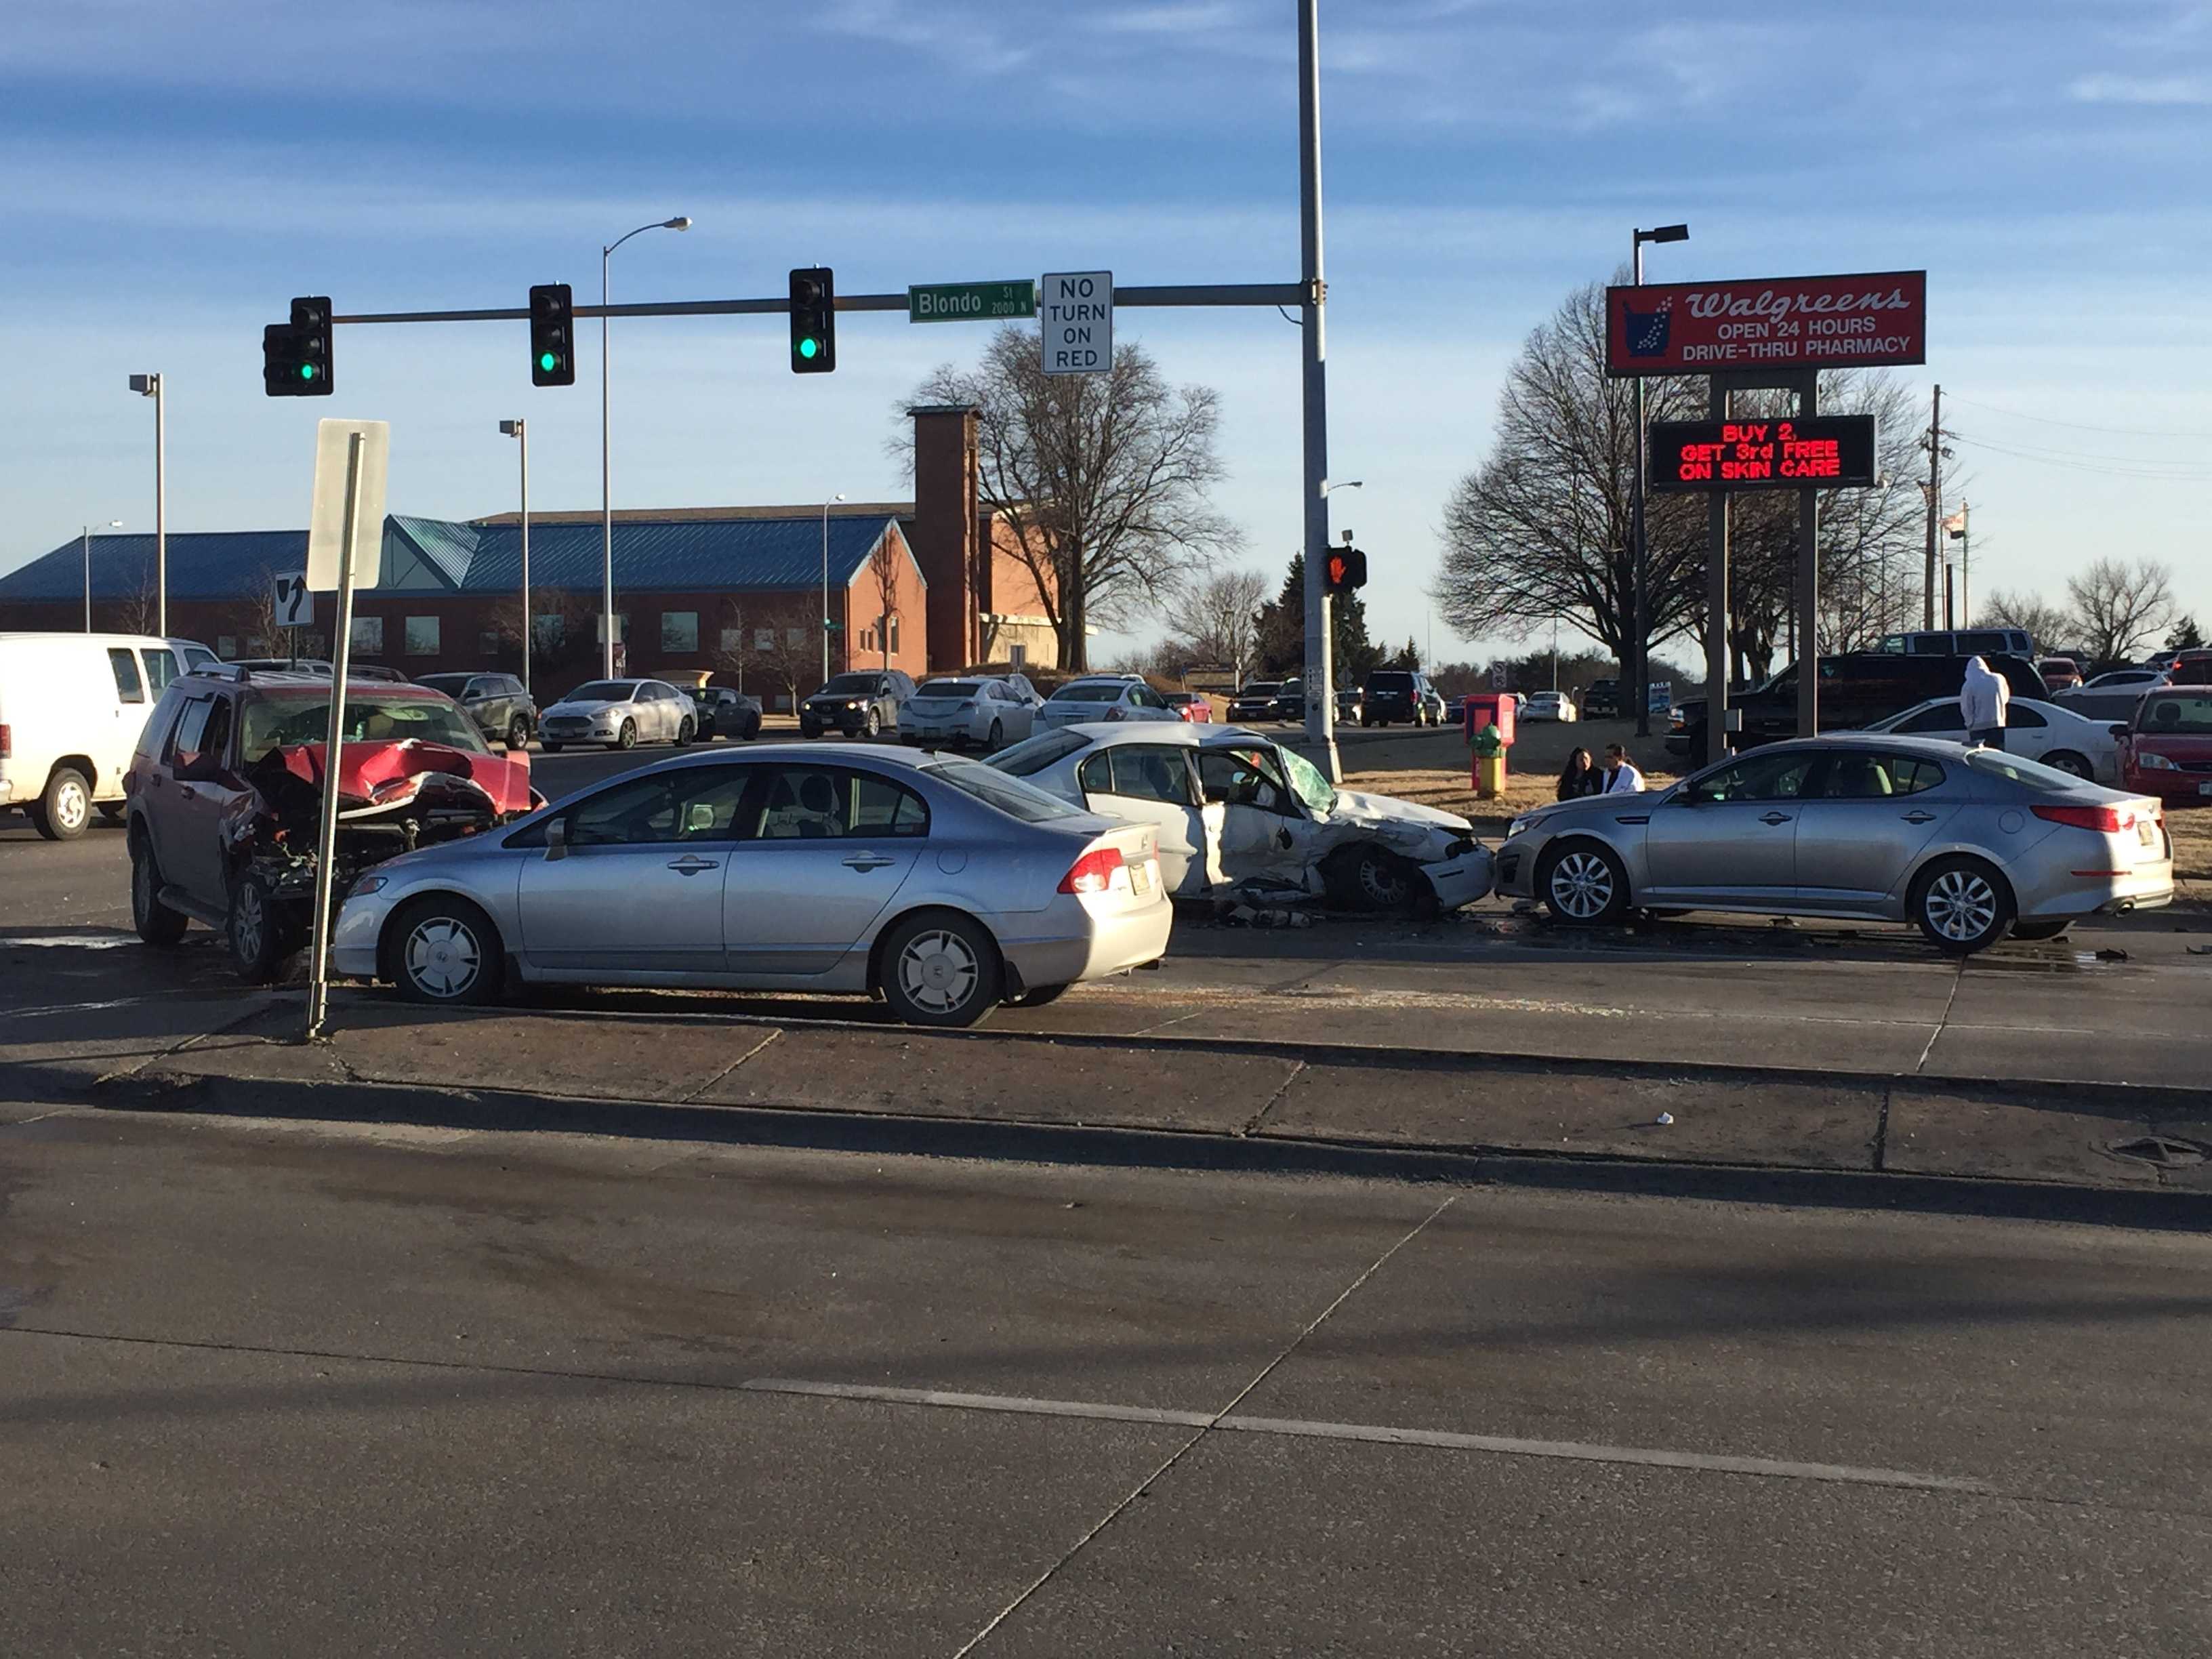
(1970, 844)
(941, 885)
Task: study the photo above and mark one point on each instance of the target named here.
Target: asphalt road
(288, 1389)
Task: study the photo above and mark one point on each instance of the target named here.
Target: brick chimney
(946, 532)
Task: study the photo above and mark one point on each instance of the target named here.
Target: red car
(2059, 673)
(2166, 749)
(1194, 707)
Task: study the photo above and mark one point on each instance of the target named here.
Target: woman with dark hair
(1580, 777)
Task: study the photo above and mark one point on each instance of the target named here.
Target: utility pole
(1321, 698)
(1934, 508)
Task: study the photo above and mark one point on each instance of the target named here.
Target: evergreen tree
(2185, 636)
(1282, 631)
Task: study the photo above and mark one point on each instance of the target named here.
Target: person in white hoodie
(1981, 701)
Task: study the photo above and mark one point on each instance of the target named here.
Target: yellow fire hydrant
(1489, 763)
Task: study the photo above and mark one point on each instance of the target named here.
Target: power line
(2047, 459)
(2082, 426)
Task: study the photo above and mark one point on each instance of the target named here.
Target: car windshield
(600, 691)
(2170, 712)
(1091, 691)
(948, 688)
(2029, 774)
(1260, 689)
(1028, 759)
(1389, 682)
(1306, 782)
(274, 719)
(850, 685)
(451, 684)
(1010, 795)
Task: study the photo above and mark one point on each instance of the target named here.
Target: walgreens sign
(1785, 322)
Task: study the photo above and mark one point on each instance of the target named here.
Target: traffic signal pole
(1321, 695)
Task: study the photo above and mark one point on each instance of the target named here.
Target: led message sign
(1820, 452)
(1783, 322)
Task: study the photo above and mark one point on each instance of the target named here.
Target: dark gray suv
(502, 710)
(859, 704)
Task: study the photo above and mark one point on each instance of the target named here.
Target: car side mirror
(556, 839)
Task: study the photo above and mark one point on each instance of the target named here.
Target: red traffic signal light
(1345, 570)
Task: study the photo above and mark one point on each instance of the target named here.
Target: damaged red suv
(224, 793)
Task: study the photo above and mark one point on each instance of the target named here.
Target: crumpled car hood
(1424, 833)
(386, 774)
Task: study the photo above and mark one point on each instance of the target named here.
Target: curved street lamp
(681, 221)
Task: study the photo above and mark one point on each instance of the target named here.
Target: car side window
(1096, 776)
(1759, 777)
(1150, 772)
(881, 807)
(185, 736)
(1944, 717)
(2025, 719)
(1878, 777)
(685, 803)
(161, 667)
(129, 687)
(1238, 777)
(215, 739)
(821, 803)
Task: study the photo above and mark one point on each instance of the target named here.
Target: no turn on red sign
(1078, 308)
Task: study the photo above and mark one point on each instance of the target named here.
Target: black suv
(859, 704)
(1254, 702)
(1856, 690)
(503, 708)
(1399, 694)
(1601, 702)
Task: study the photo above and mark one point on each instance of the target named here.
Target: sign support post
(1717, 652)
(1320, 678)
(326, 836)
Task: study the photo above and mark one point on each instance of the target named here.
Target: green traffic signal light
(808, 347)
(548, 362)
(306, 371)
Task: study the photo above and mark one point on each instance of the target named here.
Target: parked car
(1968, 844)
(2058, 737)
(319, 665)
(986, 710)
(2121, 680)
(1104, 697)
(620, 714)
(1548, 706)
(1601, 700)
(225, 791)
(2190, 668)
(726, 713)
(71, 709)
(1290, 703)
(859, 704)
(2165, 750)
(1351, 708)
(1193, 706)
(2161, 660)
(502, 706)
(2059, 673)
(1959, 642)
(1254, 702)
(1395, 694)
(1230, 806)
(1858, 689)
(941, 885)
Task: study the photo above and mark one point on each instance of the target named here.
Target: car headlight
(853, 706)
(366, 884)
(2151, 762)
(1519, 825)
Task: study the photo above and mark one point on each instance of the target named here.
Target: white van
(71, 709)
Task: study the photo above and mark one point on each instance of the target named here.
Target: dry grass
(2191, 830)
(1451, 791)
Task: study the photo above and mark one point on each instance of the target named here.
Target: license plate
(1140, 878)
(2147, 832)
(2204, 788)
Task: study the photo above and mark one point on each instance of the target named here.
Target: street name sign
(326, 520)
(1781, 322)
(970, 303)
(1079, 322)
(1817, 452)
(296, 601)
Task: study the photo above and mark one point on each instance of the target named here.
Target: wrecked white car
(1234, 808)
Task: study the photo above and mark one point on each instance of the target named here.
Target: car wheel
(1382, 880)
(2074, 765)
(753, 728)
(996, 736)
(259, 930)
(551, 748)
(518, 733)
(806, 731)
(444, 951)
(684, 732)
(1962, 905)
(1582, 884)
(874, 724)
(1040, 996)
(156, 923)
(2030, 932)
(627, 737)
(940, 968)
(64, 811)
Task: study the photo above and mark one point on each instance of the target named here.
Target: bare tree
(1218, 619)
(2047, 623)
(883, 571)
(2121, 607)
(787, 646)
(737, 646)
(1102, 479)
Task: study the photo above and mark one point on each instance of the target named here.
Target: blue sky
(170, 174)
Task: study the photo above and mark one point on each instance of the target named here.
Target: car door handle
(864, 862)
(1920, 818)
(1776, 817)
(184, 791)
(691, 864)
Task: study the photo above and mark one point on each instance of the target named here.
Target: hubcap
(1960, 905)
(2067, 764)
(1581, 885)
(443, 959)
(938, 971)
(246, 922)
(71, 806)
(1382, 881)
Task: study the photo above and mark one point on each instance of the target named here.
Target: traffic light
(552, 335)
(813, 321)
(296, 356)
(1347, 569)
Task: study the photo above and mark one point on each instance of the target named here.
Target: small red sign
(1779, 322)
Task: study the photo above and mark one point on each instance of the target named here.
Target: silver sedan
(941, 885)
(1970, 844)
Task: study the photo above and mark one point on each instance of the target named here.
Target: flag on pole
(1956, 524)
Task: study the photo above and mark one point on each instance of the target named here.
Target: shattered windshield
(273, 719)
(1307, 783)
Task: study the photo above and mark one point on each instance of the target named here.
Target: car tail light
(1093, 872)
(2105, 820)
(6, 743)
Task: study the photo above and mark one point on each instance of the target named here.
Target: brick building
(931, 584)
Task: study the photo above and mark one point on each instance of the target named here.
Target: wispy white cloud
(2147, 89)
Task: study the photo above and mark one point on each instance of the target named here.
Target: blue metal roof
(666, 555)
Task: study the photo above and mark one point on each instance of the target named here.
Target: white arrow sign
(295, 605)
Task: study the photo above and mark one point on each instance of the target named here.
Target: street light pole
(1640, 676)
(149, 386)
(519, 430)
(1320, 702)
(825, 587)
(606, 483)
(113, 523)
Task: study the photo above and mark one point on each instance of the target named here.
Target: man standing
(1981, 701)
(1621, 778)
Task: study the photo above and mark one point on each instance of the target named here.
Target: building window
(1017, 656)
(679, 633)
(226, 645)
(422, 636)
(763, 638)
(488, 644)
(369, 636)
(552, 629)
(733, 641)
(894, 627)
(794, 637)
